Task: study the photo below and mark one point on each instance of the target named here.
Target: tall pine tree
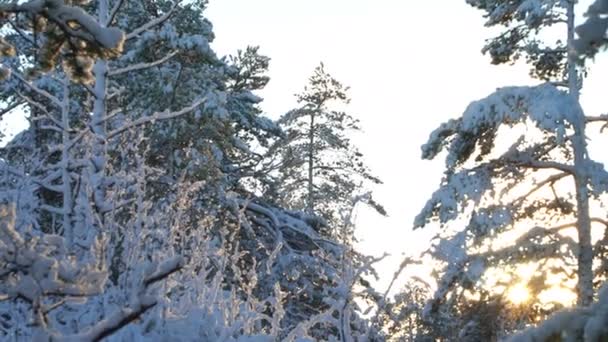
(320, 169)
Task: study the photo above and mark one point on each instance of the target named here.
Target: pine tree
(515, 197)
(320, 169)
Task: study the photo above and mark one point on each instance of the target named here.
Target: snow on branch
(38, 266)
(152, 23)
(549, 108)
(142, 66)
(289, 231)
(532, 12)
(158, 116)
(450, 199)
(65, 27)
(141, 302)
(36, 89)
(73, 20)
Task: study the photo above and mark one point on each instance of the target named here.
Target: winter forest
(150, 197)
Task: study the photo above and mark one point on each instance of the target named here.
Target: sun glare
(518, 294)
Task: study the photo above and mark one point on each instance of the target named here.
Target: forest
(151, 198)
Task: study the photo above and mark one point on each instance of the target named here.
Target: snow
(531, 12)
(552, 110)
(40, 266)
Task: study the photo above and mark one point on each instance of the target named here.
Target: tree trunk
(311, 151)
(585, 253)
(98, 126)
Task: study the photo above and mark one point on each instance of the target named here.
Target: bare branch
(540, 185)
(540, 164)
(599, 118)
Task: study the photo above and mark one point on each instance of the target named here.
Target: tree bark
(585, 252)
(98, 126)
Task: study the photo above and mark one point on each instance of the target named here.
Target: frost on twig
(39, 270)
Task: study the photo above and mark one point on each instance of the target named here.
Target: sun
(518, 294)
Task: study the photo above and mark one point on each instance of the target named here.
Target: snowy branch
(158, 116)
(86, 28)
(152, 23)
(139, 305)
(142, 66)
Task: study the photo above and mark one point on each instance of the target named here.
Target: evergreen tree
(514, 197)
(319, 168)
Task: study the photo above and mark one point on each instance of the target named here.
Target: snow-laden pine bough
(83, 36)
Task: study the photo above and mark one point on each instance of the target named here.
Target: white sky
(410, 64)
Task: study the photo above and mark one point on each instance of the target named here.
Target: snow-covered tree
(148, 170)
(319, 168)
(402, 316)
(496, 190)
(76, 158)
(519, 181)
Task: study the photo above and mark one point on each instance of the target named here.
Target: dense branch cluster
(135, 190)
